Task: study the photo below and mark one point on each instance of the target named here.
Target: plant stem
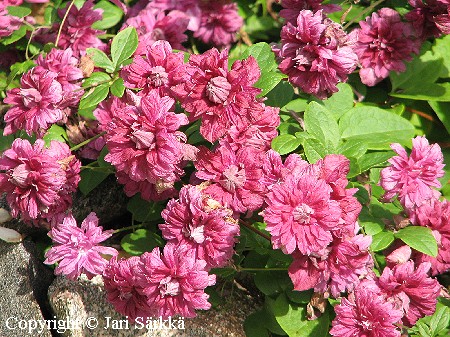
(87, 141)
(97, 168)
(258, 269)
(63, 22)
(362, 13)
(253, 229)
(133, 227)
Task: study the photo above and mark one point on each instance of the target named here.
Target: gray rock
(85, 300)
(23, 285)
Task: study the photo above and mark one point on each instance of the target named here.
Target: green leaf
(100, 59)
(382, 240)
(94, 95)
(141, 241)
(123, 46)
(253, 324)
(340, 102)
(285, 144)
(297, 105)
(96, 79)
(314, 150)
(301, 297)
(440, 321)
(441, 109)
(90, 179)
(144, 211)
(272, 282)
(18, 11)
(15, 36)
(375, 127)
(370, 160)
(322, 125)
(264, 56)
(266, 83)
(427, 92)
(292, 318)
(118, 88)
(419, 238)
(110, 17)
(352, 148)
(57, 133)
(280, 95)
(5, 141)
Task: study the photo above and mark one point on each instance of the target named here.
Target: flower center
(169, 287)
(143, 139)
(158, 76)
(218, 89)
(234, 178)
(302, 213)
(196, 234)
(19, 175)
(30, 97)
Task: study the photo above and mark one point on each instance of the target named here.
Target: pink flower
(257, 128)
(292, 8)
(301, 215)
(383, 43)
(202, 224)
(77, 32)
(151, 192)
(77, 250)
(153, 25)
(144, 142)
(234, 177)
(435, 215)
(156, 71)
(315, 54)
(411, 178)
(175, 281)
(339, 269)
(219, 23)
(411, 290)
(430, 18)
(8, 23)
(69, 75)
(365, 314)
(124, 289)
(38, 181)
(216, 95)
(36, 104)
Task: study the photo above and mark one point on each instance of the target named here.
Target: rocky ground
(30, 294)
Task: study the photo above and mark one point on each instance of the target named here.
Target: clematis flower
(155, 71)
(411, 178)
(219, 23)
(202, 224)
(8, 23)
(411, 290)
(383, 43)
(37, 104)
(315, 53)
(301, 215)
(124, 289)
(366, 314)
(430, 18)
(292, 8)
(38, 181)
(216, 95)
(175, 282)
(77, 249)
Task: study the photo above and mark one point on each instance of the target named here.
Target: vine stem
(87, 141)
(258, 269)
(63, 22)
(362, 13)
(253, 229)
(133, 227)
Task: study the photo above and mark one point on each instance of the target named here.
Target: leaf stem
(239, 269)
(253, 229)
(63, 22)
(87, 141)
(132, 227)
(362, 13)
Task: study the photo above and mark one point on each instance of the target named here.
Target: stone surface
(23, 284)
(85, 300)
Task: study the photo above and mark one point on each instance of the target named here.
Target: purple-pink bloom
(315, 53)
(383, 43)
(219, 23)
(365, 314)
(234, 177)
(215, 94)
(156, 70)
(153, 25)
(301, 215)
(144, 142)
(292, 8)
(411, 290)
(8, 23)
(335, 269)
(175, 282)
(430, 18)
(435, 215)
(36, 105)
(38, 181)
(202, 224)
(124, 289)
(412, 178)
(77, 249)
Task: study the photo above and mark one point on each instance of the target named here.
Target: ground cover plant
(301, 142)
